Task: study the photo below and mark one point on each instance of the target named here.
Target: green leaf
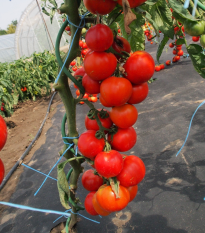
(53, 2)
(180, 12)
(198, 58)
(180, 41)
(62, 184)
(161, 47)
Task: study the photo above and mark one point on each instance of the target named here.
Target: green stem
(201, 5)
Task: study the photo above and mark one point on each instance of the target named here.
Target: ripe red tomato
(85, 46)
(2, 171)
(177, 58)
(3, 132)
(93, 99)
(116, 91)
(174, 59)
(123, 140)
(180, 53)
(133, 3)
(174, 51)
(151, 42)
(139, 67)
(195, 38)
(102, 101)
(139, 93)
(157, 68)
(74, 68)
(67, 28)
(171, 45)
(162, 66)
(89, 204)
(99, 38)
(119, 30)
(99, 65)
(73, 63)
(81, 43)
(179, 47)
(133, 171)
(77, 92)
(108, 200)
(89, 145)
(85, 51)
(90, 181)
(124, 116)
(168, 62)
(108, 164)
(101, 7)
(91, 86)
(120, 44)
(91, 124)
(133, 191)
(99, 208)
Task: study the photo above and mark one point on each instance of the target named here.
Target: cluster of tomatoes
(2, 107)
(101, 75)
(3, 137)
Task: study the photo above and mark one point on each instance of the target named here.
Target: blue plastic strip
(186, 4)
(194, 9)
(38, 171)
(190, 127)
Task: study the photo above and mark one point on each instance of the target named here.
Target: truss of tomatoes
(3, 138)
(124, 172)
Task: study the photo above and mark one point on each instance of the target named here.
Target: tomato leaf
(180, 41)
(198, 58)
(161, 47)
(62, 185)
(115, 186)
(180, 12)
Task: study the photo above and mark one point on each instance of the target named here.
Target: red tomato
(99, 38)
(2, 108)
(2, 171)
(139, 67)
(89, 145)
(151, 42)
(195, 38)
(77, 92)
(67, 28)
(133, 3)
(133, 191)
(99, 65)
(118, 30)
(120, 44)
(157, 68)
(174, 59)
(123, 140)
(90, 181)
(25, 89)
(81, 43)
(171, 45)
(92, 124)
(177, 58)
(75, 86)
(101, 7)
(139, 93)
(179, 47)
(93, 99)
(79, 72)
(85, 51)
(108, 164)
(116, 91)
(74, 68)
(102, 101)
(161, 66)
(99, 208)
(168, 62)
(133, 171)
(180, 53)
(89, 205)
(85, 96)
(91, 86)
(73, 63)
(3, 132)
(124, 116)
(174, 51)
(85, 46)
(108, 200)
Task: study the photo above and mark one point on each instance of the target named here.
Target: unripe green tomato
(202, 40)
(194, 28)
(84, 30)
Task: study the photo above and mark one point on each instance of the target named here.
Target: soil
(22, 127)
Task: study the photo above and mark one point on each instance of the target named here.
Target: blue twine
(190, 127)
(34, 209)
(82, 19)
(78, 214)
(37, 171)
(186, 4)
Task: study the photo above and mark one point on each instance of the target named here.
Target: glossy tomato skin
(91, 86)
(89, 145)
(107, 198)
(101, 7)
(133, 3)
(133, 171)
(116, 91)
(99, 38)
(124, 116)
(139, 93)
(3, 132)
(103, 102)
(99, 208)
(120, 44)
(123, 140)
(89, 205)
(133, 191)
(90, 181)
(91, 124)
(99, 65)
(2, 171)
(79, 72)
(108, 164)
(139, 67)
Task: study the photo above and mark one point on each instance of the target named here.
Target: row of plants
(26, 78)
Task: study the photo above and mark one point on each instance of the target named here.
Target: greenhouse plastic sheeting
(7, 50)
(31, 33)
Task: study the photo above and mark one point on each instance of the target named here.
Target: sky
(11, 10)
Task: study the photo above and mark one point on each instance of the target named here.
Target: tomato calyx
(114, 183)
(113, 130)
(107, 147)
